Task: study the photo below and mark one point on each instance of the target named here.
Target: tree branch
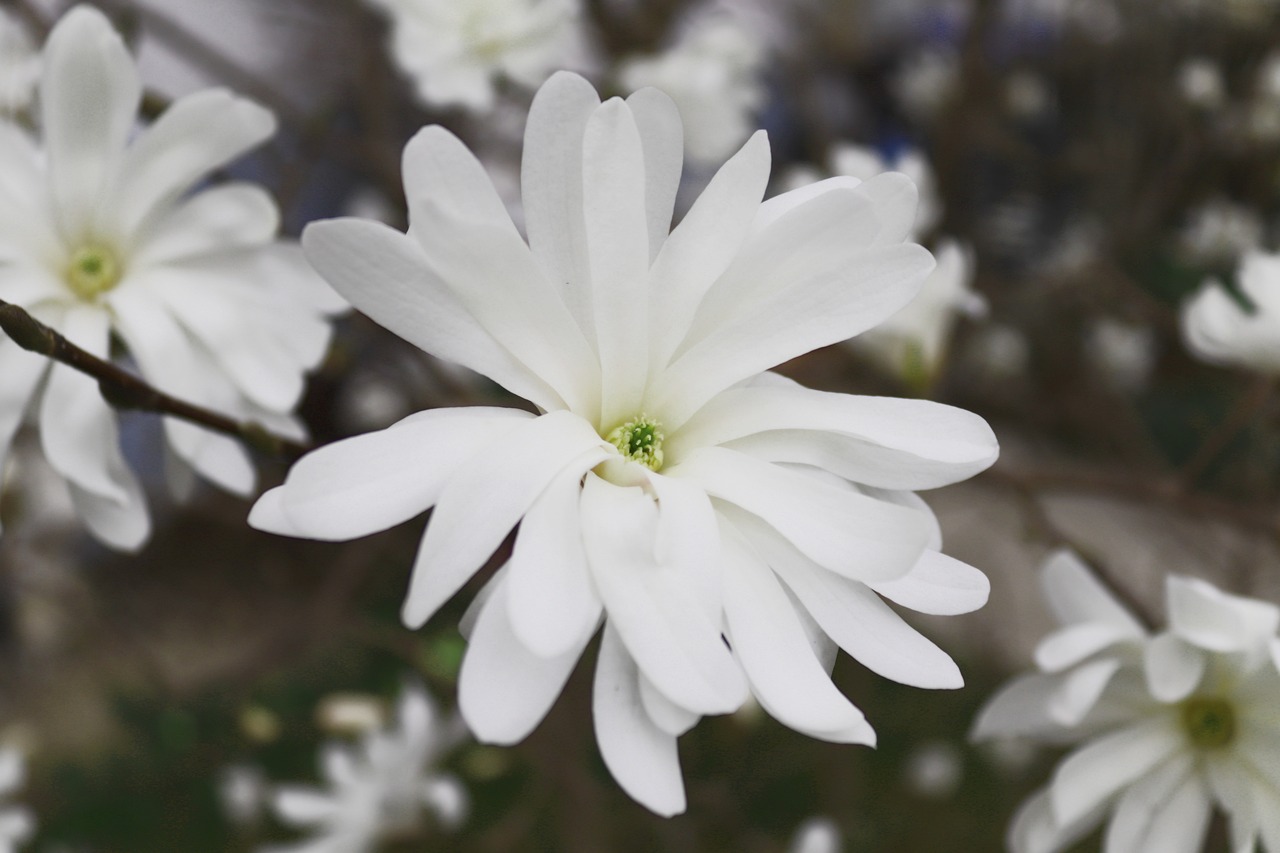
(123, 390)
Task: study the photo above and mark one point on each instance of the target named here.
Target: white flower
(666, 481)
(19, 65)
(16, 822)
(1201, 84)
(816, 835)
(1221, 230)
(1219, 330)
(925, 82)
(1173, 724)
(456, 51)
(1123, 353)
(713, 75)
(98, 236)
(378, 788)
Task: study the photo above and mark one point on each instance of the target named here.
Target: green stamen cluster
(1209, 722)
(640, 440)
(93, 270)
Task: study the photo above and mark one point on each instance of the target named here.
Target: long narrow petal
(504, 690)
(484, 499)
(667, 715)
(1034, 829)
(384, 274)
(439, 168)
(1142, 809)
(656, 608)
(226, 217)
(1202, 614)
(662, 138)
(938, 585)
(640, 755)
(121, 523)
(89, 97)
(1018, 709)
(1097, 771)
(1069, 646)
(1173, 667)
(1079, 690)
(22, 371)
(849, 533)
(1075, 595)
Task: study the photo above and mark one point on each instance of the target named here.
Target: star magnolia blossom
(16, 822)
(1218, 329)
(379, 788)
(457, 50)
(99, 236)
(1172, 723)
(666, 483)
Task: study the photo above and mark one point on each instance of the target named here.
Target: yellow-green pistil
(640, 440)
(93, 270)
(1209, 722)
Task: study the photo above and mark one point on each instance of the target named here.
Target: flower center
(640, 440)
(1210, 722)
(93, 270)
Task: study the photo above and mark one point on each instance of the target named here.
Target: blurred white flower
(457, 51)
(667, 480)
(350, 713)
(378, 788)
(16, 822)
(19, 65)
(1027, 95)
(1172, 724)
(933, 769)
(1221, 230)
(816, 835)
(1000, 351)
(713, 73)
(242, 790)
(98, 236)
(924, 82)
(1123, 353)
(1218, 329)
(1201, 84)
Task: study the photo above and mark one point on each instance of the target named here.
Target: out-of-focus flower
(100, 236)
(1123, 353)
(933, 769)
(1000, 351)
(1027, 95)
(242, 790)
(16, 822)
(1220, 231)
(1264, 108)
(925, 82)
(457, 51)
(19, 65)
(1171, 724)
(668, 482)
(713, 74)
(816, 835)
(1200, 81)
(1218, 329)
(378, 788)
(350, 713)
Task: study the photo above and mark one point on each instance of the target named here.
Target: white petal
(551, 594)
(197, 134)
(371, 482)
(1075, 595)
(770, 641)
(384, 274)
(504, 690)
(226, 217)
(22, 371)
(849, 533)
(878, 441)
(303, 806)
(938, 585)
(484, 500)
(1142, 812)
(656, 608)
(1218, 330)
(1069, 646)
(1079, 690)
(640, 756)
(439, 167)
(1018, 709)
(1094, 773)
(704, 243)
(1202, 614)
(1173, 667)
(688, 536)
(1034, 829)
(89, 97)
(666, 715)
(662, 138)
(551, 186)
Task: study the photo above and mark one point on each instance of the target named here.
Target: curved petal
(22, 372)
(641, 757)
(666, 715)
(226, 217)
(1142, 817)
(662, 140)
(1069, 646)
(1018, 709)
(1097, 771)
(1173, 667)
(439, 168)
(1035, 830)
(1216, 329)
(1075, 595)
(1079, 690)
(1205, 616)
(938, 585)
(121, 523)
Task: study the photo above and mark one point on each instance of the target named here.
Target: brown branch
(123, 390)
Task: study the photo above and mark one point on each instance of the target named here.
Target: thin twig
(123, 390)
(1240, 415)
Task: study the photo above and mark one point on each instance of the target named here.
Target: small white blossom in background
(669, 485)
(1124, 354)
(379, 787)
(459, 52)
(713, 73)
(1201, 84)
(1027, 95)
(19, 65)
(1219, 330)
(350, 713)
(242, 790)
(1220, 231)
(1167, 726)
(17, 824)
(99, 235)
(817, 835)
(925, 82)
(1264, 109)
(934, 769)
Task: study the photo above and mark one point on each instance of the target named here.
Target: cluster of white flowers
(378, 788)
(669, 485)
(1172, 723)
(101, 235)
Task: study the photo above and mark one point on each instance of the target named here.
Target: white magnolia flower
(19, 65)
(379, 787)
(665, 481)
(99, 236)
(16, 822)
(457, 51)
(1173, 724)
(713, 73)
(1219, 330)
